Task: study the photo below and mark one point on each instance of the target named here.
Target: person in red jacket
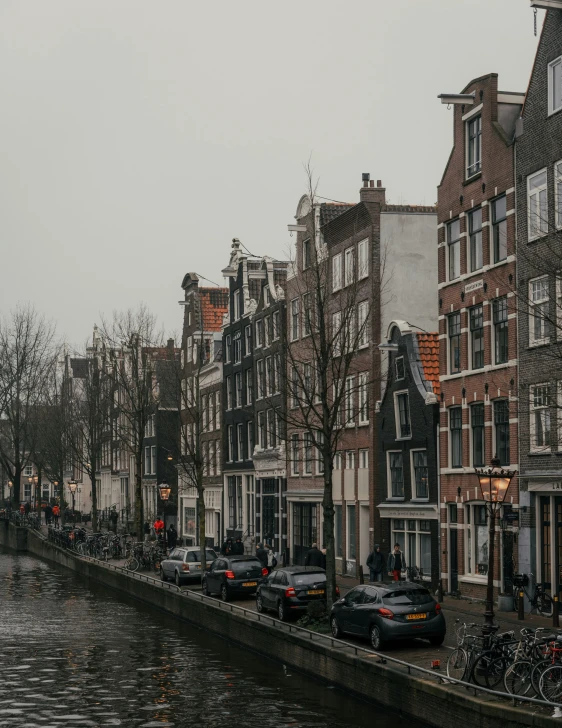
(158, 525)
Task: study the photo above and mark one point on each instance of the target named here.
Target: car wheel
(336, 631)
(281, 614)
(163, 575)
(376, 637)
(177, 578)
(259, 603)
(437, 641)
(224, 593)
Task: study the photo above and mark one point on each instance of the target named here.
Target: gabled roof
(330, 210)
(428, 345)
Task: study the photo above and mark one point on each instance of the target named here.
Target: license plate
(250, 583)
(316, 591)
(423, 615)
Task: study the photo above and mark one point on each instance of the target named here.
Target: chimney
(370, 193)
(170, 343)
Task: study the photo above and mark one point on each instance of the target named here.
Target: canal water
(73, 654)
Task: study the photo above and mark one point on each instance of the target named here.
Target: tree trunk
(139, 519)
(38, 493)
(94, 502)
(328, 532)
(201, 516)
(16, 498)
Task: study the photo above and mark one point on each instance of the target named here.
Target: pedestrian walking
(27, 508)
(56, 514)
(158, 526)
(396, 563)
(114, 517)
(375, 562)
(261, 553)
(271, 560)
(314, 556)
(323, 549)
(238, 547)
(172, 537)
(146, 530)
(22, 509)
(48, 514)
(226, 548)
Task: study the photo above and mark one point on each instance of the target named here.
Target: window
(149, 429)
(349, 409)
(396, 470)
(351, 533)
(454, 247)
(537, 201)
(555, 85)
(217, 410)
(539, 300)
(294, 319)
(363, 259)
(147, 461)
(363, 399)
(362, 324)
(240, 440)
(236, 302)
(212, 465)
(499, 228)
(350, 460)
(477, 426)
(306, 314)
(540, 418)
(336, 333)
(249, 386)
(414, 538)
(250, 439)
(261, 379)
(295, 454)
(229, 392)
(454, 327)
(455, 427)
(227, 351)
(558, 193)
(473, 146)
(338, 531)
(231, 502)
(189, 521)
(306, 254)
(349, 272)
(307, 381)
(419, 463)
(475, 235)
(307, 443)
(271, 434)
(28, 471)
(247, 340)
(476, 519)
(336, 272)
(269, 383)
(399, 367)
(276, 330)
(238, 378)
(230, 443)
(277, 372)
(364, 459)
(237, 351)
(402, 416)
(501, 425)
(259, 332)
(337, 461)
(294, 387)
(477, 336)
(266, 296)
(205, 412)
(499, 312)
(267, 330)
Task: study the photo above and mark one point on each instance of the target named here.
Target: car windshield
(308, 579)
(245, 565)
(194, 556)
(407, 596)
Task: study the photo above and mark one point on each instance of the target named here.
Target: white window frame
(558, 194)
(545, 408)
(236, 305)
(350, 459)
(230, 442)
(363, 324)
(363, 398)
(248, 340)
(389, 477)
(543, 219)
(336, 334)
(456, 245)
(337, 272)
(249, 386)
(295, 319)
(399, 358)
(240, 441)
(415, 494)
(349, 402)
(250, 433)
(364, 459)
(238, 389)
(308, 454)
(229, 400)
(294, 455)
(467, 125)
(532, 303)
(551, 66)
(399, 435)
(227, 349)
(363, 259)
(258, 339)
(470, 541)
(305, 264)
(349, 270)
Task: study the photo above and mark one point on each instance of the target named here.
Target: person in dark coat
(396, 563)
(114, 518)
(172, 537)
(262, 555)
(314, 557)
(48, 513)
(238, 547)
(27, 508)
(375, 562)
(226, 548)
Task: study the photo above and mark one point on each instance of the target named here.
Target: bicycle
(540, 600)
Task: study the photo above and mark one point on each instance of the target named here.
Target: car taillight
(185, 567)
(264, 571)
(229, 574)
(386, 613)
(438, 608)
(337, 591)
(290, 592)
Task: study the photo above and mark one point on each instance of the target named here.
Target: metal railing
(316, 636)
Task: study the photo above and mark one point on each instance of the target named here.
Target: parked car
(289, 590)
(230, 575)
(389, 612)
(184, 564)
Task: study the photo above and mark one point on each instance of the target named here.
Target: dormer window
(266, 296)
(399, 367)
(473, 146)
(555, 85)
(306, 257)
(236, 305)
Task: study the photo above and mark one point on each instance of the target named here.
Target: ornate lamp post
(165, 491)
(36, 494)
(494, 483)
(72, 485)
(10, 486)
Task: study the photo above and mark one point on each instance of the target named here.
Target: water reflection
(75, 655)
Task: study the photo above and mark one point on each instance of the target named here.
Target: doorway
(305, 531)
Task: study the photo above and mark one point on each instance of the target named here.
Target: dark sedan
(290, 590)
(232, 575)
(389, 612)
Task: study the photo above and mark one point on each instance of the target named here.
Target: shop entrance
(305, 530)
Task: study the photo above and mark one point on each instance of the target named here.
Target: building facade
(539, 261)
(477, 330)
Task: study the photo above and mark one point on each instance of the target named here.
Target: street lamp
(494, 483)
(10, 486)
(165, 491)
(72, 485)
(35, 492)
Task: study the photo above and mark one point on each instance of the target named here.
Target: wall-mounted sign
(546, 487)
(474, 286)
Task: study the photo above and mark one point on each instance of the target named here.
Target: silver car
(184, 563)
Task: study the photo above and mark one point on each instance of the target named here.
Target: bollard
(555, 620)
(361, 577)
(521, 605)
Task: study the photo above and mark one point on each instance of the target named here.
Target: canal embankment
(359, 671)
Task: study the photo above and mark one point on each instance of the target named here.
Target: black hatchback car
(230, 575)
(290, 590)
(396, 611)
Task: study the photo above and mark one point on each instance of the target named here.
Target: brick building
(539, 261)
(477, 328)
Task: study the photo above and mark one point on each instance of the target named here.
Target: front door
(304, 530)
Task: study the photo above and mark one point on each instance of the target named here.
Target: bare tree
(26, 356)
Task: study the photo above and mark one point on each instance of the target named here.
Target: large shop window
(476, 518)
(414, 537)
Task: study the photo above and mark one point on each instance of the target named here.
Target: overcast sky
(140, 137)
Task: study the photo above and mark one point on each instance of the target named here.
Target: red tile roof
(214, 304)
(428, 345)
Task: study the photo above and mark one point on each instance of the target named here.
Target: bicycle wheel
(457, 663)
(495, 672)
(537, 671)
(517, 678)
(480, 667)
(545, 605)
(132, 564)
(550, 684)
